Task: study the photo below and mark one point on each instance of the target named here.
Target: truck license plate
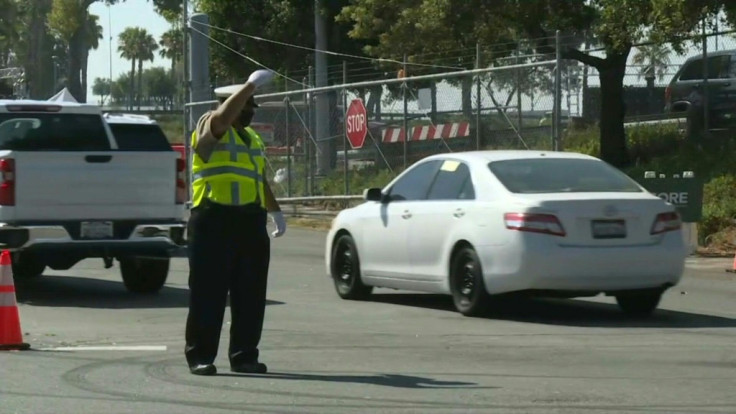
(96, 230)
(609, 229)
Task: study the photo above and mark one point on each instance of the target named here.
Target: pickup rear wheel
(27, 266)
(142, 275)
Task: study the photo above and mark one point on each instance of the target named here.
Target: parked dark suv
(684, 94)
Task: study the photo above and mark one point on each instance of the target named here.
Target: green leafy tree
(426, 26)
(102, 87)
(159, 87)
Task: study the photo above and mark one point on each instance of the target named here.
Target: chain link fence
(408, 118)
(509, 105)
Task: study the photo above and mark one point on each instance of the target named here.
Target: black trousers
(229, 252)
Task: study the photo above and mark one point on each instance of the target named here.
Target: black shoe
(203, 369)
(250, 368)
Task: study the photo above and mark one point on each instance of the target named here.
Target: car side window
(693, 71)
(415, 183)
(719, 67)
(452, 182)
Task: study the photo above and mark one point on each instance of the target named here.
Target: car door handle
(406, 214)
(98, 158)
(459, 213)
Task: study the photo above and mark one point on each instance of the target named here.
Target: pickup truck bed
(69, 191)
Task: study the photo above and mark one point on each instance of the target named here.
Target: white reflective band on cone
(7, 299)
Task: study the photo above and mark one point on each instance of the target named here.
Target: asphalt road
(99, 349)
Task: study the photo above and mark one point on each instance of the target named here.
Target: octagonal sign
(356, 123)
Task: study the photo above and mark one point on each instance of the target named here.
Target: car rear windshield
(561, 175)
(31, 131)
(140, 137)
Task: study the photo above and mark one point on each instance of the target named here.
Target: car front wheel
(641, 303)
(345, 270)
(466, 283)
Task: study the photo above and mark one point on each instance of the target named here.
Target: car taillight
(181, 182)
(667, 95)
(7, 182)
(666, 222)
(536, 223)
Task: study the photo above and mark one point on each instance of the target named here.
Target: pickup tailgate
(68, 185)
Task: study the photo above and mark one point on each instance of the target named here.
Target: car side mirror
(374, 194)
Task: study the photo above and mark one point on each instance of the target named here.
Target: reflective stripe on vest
(209, 179)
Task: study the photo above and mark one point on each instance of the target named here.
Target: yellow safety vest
(234, 173)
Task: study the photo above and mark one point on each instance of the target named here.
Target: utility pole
(322, 117)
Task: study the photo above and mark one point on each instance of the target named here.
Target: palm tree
(146, 45)
(128, 48)
(654, 60)
(171, 46)
(92, 34)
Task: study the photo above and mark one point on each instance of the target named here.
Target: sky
(141, 13)
(129, 13)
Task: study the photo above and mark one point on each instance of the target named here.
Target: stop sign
(356, 123)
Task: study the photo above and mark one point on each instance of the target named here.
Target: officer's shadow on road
(85, 292)
(563, 312)
(386, 380)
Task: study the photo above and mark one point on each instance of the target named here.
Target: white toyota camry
(477, 224)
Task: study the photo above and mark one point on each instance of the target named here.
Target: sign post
(356, 123)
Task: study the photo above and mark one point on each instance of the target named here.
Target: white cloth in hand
(278, 219)
(260, 77)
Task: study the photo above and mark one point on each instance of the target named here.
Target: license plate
(609, 229)
(96, 230)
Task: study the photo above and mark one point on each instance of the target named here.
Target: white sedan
(477, 224)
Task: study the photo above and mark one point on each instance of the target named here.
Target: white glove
(278, 219)
(260, 77)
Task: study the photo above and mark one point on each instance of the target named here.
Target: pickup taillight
(181, 181)
(7, 182)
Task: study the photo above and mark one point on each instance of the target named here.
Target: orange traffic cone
(733, 266)
(11, 337)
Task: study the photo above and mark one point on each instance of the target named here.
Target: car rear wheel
(345, 270)
(466, 283)
(141, 275)
(641, 303)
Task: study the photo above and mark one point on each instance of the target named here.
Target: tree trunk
(131, 92)
(39, 50)
(74, 69)
(85, 58)
(140, 82)
(613, 109)
(650, 91)
(467, 102)
(433, 111)
(374, 102)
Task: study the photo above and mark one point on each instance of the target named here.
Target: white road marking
(108, 348)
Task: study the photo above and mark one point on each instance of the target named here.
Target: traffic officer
(228, 242)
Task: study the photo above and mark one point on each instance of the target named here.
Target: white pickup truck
(76, 185)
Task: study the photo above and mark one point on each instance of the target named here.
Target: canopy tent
(63, 96)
